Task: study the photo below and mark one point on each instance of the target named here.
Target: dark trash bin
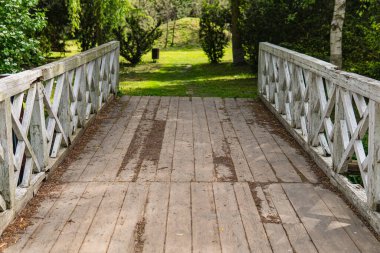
(155, 54)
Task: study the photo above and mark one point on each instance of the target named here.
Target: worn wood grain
(178, 228)
(231, 229)
(96, 239)
(204, 223)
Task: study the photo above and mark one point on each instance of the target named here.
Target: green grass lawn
(187, 72)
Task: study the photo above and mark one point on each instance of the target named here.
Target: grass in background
(187, 72)
(186, 33)
(72, 47)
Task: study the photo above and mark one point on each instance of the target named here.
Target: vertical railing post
(373, 188)
(340, 124)
(117, 68)
(260, 72)
(38, 138)
(7, 182)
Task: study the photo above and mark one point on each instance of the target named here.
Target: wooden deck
(193, 175)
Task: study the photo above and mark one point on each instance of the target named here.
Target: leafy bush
(20, 24)
(138, 35)
(212, 34)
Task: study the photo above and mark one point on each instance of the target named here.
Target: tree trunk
(167, 34)
(237, 45)
(336, 56)
(174, 23)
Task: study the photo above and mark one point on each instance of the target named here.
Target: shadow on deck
(169, 174)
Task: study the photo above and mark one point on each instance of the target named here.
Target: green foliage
(361, 36)
(20, 24)
(212, 33)
(58, 24)
(302, 25)
(138, 35)
(98, 21)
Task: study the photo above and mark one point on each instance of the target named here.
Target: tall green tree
(237, 43)
(20, 25)
(58, 23)
(99, 19)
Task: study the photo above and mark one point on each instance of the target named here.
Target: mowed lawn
(187, 72)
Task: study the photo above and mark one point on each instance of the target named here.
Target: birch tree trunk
(336, 56)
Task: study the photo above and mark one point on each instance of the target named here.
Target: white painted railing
(333, 114)
(42, 111)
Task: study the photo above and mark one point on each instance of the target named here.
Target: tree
(99, 19)
(237, 44)
(212, 34)
(301, 25)
(58, 23)
(20, 25)
(138, 35)
(337, 33)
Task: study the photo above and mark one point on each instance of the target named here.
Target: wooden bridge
(188, 174)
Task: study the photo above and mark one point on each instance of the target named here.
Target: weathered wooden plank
(231, 229)
(37, 219)
(255, 232)
(327, 233)
(277, 237)
(75, 229)
(165, 162)
(95, 167)
(133, 124)
(155, 217)
(218, 142)
(162, 112)
(266, 207)
(132, 212)
(38, 135)
(355, 228)
(204, 166)
(7, 185)
(204, 223)
(17, 83)
(282, 204)
(297, 159)
(132, 170)
(178, 231)
(299, 238)
(183, 158)
(46, 234)
(97, 239)
(257, 162)
(148, 171)
(242, 170)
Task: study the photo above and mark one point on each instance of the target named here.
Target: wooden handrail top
(14, 84)
(359, 84)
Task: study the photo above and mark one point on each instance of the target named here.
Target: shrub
(20, 24)
(212, 34)
(138, 35)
